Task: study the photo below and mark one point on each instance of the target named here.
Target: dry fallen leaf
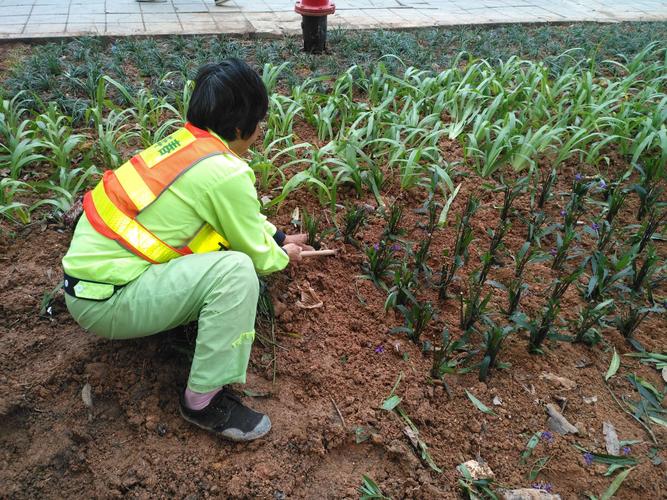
(86, 395)
(309, 299)
(412, 436)
(611, 439)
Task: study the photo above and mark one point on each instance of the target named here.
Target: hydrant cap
(315, 7)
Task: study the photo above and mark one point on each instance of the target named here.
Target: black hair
(227, 96)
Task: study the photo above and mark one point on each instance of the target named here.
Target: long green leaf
(615, 485)
(613, 366)
(480, 406)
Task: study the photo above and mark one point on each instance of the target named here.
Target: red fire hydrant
(314, 23)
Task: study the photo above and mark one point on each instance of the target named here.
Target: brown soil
(330, 383)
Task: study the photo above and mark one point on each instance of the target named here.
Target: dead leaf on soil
(528, 494)
(479, 470)
(590, 399)
(309, 299)
(611, 439)
(412, 436)
(558, 423)
(497, 401)
(554, 379)
(87, 396)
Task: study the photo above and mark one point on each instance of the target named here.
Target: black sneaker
(226, 416)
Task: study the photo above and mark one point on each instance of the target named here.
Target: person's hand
(293, 251)
(299, 240)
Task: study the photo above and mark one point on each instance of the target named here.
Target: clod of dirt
(479, 470)
(564, 383)
(278, 308)
(611, 438)
(583, 362)
(558, 423)
(309, 299)
(528, 494)
(400, 451)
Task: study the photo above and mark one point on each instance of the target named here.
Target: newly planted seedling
(590, 316)
(380, 260)
(416, 318)
(403, 286)
(464, 236)
(494, 337)
(353, 221)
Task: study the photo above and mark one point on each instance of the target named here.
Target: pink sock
(199, 400)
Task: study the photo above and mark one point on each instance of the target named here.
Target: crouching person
(176, 235)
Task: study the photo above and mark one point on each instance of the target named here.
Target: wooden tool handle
(317, 253)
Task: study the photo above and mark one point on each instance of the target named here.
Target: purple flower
(379, 349)
(588, 458)
(578, 177)
(543, 486)
(626, 450)
(395, 247)
(595, 226)
(563, 213)
(376, 247)
(547, 436)
(553, 252)
(603, 184)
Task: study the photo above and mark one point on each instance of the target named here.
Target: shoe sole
(237, 435)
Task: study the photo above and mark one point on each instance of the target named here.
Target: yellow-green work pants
(219, 289)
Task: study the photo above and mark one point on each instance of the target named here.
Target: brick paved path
(20, 19)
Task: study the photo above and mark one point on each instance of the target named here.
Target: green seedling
(494, 337)
(474, 307)
(353, 220)
(392, 231)
(311, 227)
(380, 261)
(403, 286)
(464, 236)
(392, 403)
(539, 329)
(589, 316)
(629, 320)
(369, 490)
(444, 361)
(416, 317)
(642, 273)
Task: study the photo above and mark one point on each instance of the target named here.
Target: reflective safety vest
(114, 204)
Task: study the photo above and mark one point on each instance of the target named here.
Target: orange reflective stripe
(115, 202)
(134, 186)
(136, 235)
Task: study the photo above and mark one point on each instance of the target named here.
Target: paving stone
(47, 19)
(200, 27)
(191, 7)
(125, 28)
(42, 18)
(77, 18)
(13, 20)
(11, 29)
(16, 10)
(94, 28)
(44, 28)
